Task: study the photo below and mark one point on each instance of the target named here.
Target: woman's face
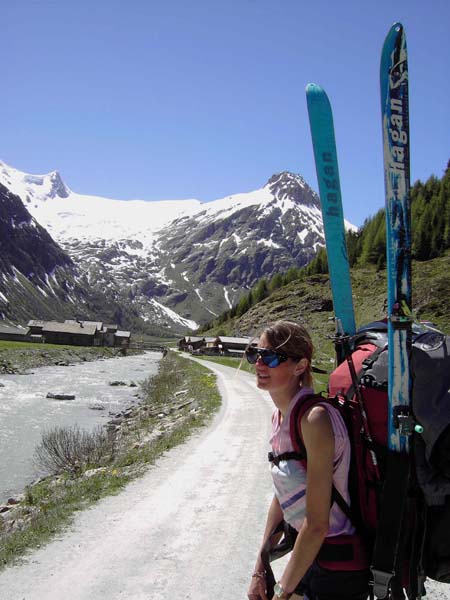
(283, 379)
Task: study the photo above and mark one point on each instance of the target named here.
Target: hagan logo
(331, 181)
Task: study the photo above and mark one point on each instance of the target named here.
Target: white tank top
(289, 477)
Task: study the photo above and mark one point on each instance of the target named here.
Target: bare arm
(319, 442)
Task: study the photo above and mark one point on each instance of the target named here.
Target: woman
(303, 497)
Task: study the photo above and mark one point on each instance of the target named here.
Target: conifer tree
(260, 291)
(276, 282)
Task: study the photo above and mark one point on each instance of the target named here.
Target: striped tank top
(289, 477)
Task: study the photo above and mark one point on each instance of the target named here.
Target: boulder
(60, 396)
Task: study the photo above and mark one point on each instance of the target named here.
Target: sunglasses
(269, 357)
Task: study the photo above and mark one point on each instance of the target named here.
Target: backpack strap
(297, 414)
(387, 543)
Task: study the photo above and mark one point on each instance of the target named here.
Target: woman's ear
(301, 366)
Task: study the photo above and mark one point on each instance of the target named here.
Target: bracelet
(259, 574)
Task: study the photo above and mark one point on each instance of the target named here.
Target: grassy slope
(17, 357)
(309, 302)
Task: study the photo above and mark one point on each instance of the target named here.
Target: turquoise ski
(395, 123)
(324, 144)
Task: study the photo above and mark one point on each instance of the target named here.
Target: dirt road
(188, 529)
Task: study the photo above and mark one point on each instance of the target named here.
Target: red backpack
(399, 503)
(366, 422)
(368, 440)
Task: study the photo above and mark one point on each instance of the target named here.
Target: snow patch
(227, 297)
(269, 243)
(303, 235)
(43, 292)
(174, 316)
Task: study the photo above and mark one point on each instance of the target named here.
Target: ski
(324, 145)
(395, 123)
(395, 127)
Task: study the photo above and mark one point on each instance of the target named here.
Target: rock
(97, 406)
(4, 508)
(117, 383)
(60, 396)
(2, 385)
(92, 472)
(13, 501)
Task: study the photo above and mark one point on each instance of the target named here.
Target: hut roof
(234, 340)
(73, 328)
(36, 323)
(5, 328)
(123, 334)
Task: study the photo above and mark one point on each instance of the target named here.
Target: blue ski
(324, 144)
(395, 118)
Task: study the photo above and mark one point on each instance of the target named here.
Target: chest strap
(277, 458)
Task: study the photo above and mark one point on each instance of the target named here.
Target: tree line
(430, 223)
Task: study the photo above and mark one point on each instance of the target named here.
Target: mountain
(175, 262)
(308, 300)
(31, 263)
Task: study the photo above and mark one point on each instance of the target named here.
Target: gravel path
(188, 529)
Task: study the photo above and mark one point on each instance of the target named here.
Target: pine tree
(421, 249)
(353, 240)
(292, 275)
(243, 306)
(276, 282)
(260, 291)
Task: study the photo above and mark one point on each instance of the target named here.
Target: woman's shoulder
(316, 419)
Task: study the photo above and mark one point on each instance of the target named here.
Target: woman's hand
(257, 589)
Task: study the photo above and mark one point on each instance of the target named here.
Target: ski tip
(395, 41)
(397, 27)
(395, 31)
(316, 94)
(313, 88)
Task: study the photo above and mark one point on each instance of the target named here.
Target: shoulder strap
(297, 414)
(299, 452)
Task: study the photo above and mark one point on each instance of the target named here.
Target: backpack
(416, 492)
(426, 537)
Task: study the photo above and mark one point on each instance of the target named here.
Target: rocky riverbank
(21, 360)
(172, 404)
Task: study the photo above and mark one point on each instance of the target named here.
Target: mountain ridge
(176, 262)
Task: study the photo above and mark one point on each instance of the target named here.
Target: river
(26, 412)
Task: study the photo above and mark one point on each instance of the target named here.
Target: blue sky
(203, 99)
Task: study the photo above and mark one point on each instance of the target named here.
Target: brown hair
(294, 340)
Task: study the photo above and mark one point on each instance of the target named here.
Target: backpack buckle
(381, 582)
(404, 420)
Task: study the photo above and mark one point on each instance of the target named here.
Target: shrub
(71, 449)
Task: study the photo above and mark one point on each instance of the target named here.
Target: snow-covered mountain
(178, 262)
(35, 273)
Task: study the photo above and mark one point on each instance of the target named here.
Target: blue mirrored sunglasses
(271, 358)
